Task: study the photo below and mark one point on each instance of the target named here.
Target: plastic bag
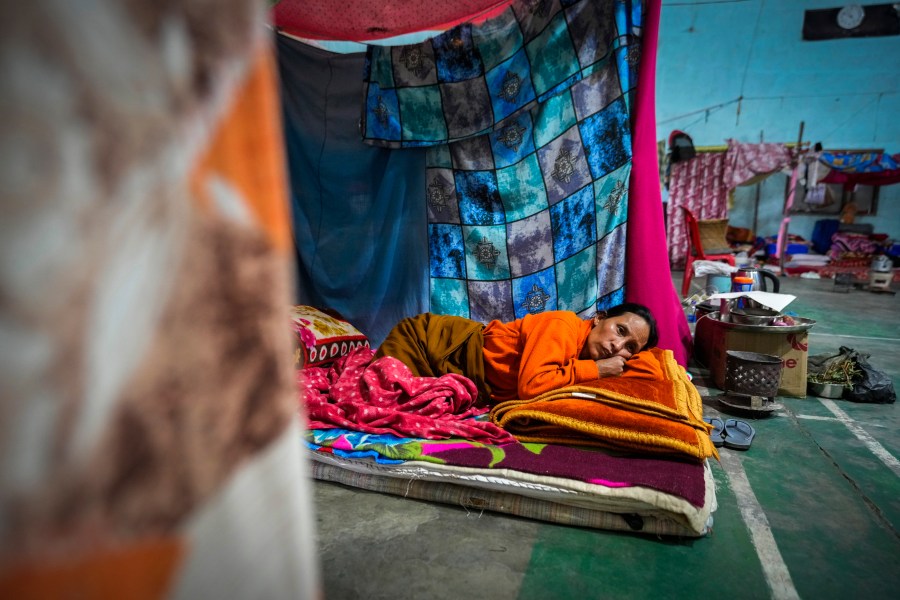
(873, 385)
(712, 267)
(851, 368)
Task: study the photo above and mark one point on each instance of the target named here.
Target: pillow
(322, 338)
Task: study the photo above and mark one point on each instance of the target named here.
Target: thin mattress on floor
(555, 483)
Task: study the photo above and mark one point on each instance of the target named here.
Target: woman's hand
(610, 367)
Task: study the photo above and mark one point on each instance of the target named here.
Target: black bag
(872, 386)
(864, 382)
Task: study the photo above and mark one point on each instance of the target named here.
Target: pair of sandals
(731, 433)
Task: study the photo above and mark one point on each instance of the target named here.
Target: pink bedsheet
(383, 396)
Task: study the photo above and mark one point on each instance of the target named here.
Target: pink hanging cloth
(745, 161)
(783, 228)
(362, 20)
(698, 185)
(702, 185)
(648, 279)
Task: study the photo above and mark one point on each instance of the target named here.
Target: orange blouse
(536, 354)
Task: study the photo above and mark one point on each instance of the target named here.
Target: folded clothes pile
(651, 408)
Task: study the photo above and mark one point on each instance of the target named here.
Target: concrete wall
(740, 69)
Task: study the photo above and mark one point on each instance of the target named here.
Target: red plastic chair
(695, 250)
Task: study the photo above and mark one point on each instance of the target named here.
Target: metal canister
(881, 264)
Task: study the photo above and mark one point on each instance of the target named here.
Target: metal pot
(826, 390)
(753, 316)
(706, 307)
(881, 264)
(759, 276)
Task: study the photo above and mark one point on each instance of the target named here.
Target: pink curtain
(648, 279)
(361, 20)
(745, 161)
(702, 184)
(697, 184)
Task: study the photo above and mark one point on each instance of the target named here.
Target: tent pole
(788, 201)
(756, 202)
(756, 209)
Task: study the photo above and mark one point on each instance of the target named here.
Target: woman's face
(623, 336)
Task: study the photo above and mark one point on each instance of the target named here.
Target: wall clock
(850, 16)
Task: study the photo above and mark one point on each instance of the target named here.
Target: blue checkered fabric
(527, 122)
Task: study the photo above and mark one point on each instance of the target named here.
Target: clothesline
(721, 105)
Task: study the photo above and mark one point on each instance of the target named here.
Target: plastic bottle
(741, 284)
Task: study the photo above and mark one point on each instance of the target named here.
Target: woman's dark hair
(641, 311)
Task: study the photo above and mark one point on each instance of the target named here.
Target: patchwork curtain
(527, 120)
(511, 128)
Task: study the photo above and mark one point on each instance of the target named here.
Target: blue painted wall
(740, 69)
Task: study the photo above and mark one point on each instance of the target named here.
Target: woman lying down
(526, 357)
(433, 372)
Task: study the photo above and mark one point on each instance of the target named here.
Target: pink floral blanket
(383, 396)
(845, 244)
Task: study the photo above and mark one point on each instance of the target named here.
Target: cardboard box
(713, 338)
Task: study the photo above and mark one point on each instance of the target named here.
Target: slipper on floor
(738, 434)
(717, 435)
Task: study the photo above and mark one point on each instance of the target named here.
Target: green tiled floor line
(848, 313)
(826, 529)
(569, 563)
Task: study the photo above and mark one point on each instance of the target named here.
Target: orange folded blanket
(652, 407)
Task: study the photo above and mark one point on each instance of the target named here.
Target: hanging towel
(745, 161)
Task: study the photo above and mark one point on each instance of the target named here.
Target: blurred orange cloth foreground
(172, 384)
(139, 571)
(651, 408)
(251, 128)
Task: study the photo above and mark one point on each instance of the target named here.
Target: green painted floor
(812, 510)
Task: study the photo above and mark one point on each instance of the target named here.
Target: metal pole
(795, 161)
(756, 203)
